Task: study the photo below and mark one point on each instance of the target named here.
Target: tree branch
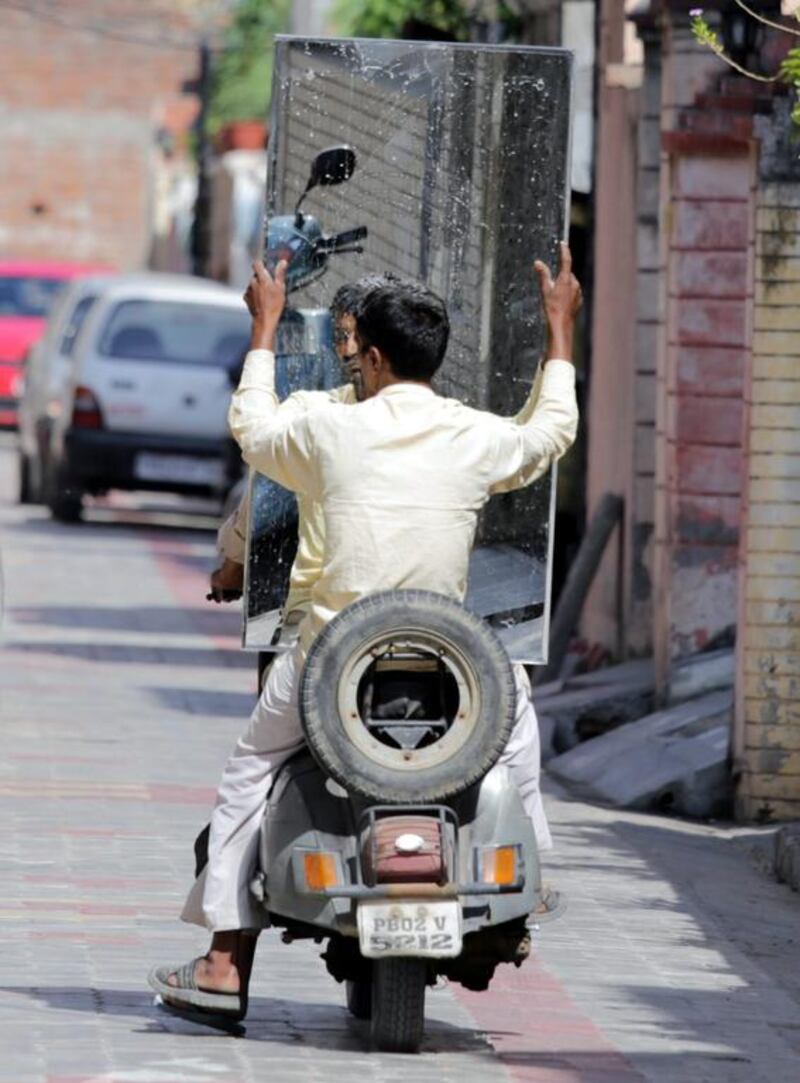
(743, 71)
(767, 22)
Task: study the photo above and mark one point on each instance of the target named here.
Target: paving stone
(121, 695)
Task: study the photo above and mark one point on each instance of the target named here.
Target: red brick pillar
(701, 363)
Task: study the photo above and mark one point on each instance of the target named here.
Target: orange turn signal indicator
(320, 870)
(499, 865)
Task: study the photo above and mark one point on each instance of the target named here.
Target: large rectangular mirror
(460, 181)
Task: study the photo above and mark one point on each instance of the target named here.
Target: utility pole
(201, 227)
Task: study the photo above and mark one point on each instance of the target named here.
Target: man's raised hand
(561, 299)
(265, 298)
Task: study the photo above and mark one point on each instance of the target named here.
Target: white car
(147, 397)
(46, 373)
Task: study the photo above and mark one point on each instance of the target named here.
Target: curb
(787, 855)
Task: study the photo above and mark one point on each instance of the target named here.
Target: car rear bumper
(97, 460)
(8, 413)
(10, 386)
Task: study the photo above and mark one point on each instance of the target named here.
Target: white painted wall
(311, 18)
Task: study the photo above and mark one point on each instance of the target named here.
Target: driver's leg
(522, 756)
(220, 898)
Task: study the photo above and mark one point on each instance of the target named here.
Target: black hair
(348, 297)
(408, 323)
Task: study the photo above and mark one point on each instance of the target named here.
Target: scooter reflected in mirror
(298, 238)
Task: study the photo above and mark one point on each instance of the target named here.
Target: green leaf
(386, 18)
(704, 35)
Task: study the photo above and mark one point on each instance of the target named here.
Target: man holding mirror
(406, 469)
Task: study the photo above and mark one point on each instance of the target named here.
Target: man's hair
(348, 297)
(408, 323)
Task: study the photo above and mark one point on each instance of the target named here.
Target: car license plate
(177, 468)
(409, 927)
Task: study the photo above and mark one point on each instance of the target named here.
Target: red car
(27, 290)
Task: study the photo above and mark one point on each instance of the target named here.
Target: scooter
(397, 838)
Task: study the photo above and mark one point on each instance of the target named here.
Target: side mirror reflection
(334, 165)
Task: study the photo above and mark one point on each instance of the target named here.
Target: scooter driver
(400, 478)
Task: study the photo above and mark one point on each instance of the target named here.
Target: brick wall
(768, 670)
(704, 282)
(700, 375)
(675, 408)
(79, 114)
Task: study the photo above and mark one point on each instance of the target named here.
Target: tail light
(320, 871)
(499, 865)
(315, 871)
(86, 412)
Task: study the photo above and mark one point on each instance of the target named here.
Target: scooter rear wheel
(398, 1004)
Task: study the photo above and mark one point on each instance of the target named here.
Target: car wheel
(63, 497)
(407, 697)
(25, 488)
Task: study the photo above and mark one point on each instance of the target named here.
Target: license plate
(411, 927)
(178, 468)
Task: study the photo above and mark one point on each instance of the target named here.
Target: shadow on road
(140, 655)
(325, 1026)
(204, 702)
(96, 521)
(212, 620)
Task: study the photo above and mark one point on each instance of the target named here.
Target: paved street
(122, 691)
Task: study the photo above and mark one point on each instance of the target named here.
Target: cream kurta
(400, 477)
(232, 535)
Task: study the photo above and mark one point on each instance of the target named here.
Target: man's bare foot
(226, 966)
(214, 973)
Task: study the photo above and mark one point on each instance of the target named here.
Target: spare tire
(390, 640)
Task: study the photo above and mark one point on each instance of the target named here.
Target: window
(28, 296)
(75, 323)
(176, 331)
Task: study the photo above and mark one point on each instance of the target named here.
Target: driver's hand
(265, 298)
(561, 296)
(561, 300)
(227, 582)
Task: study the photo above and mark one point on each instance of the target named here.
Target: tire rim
(425, 644)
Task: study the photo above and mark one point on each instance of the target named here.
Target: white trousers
(220, 898)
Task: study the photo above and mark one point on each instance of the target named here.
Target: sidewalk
(122, 691)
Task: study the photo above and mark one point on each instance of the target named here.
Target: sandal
(202, 1017)
(551, 905)
(229, 1007)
